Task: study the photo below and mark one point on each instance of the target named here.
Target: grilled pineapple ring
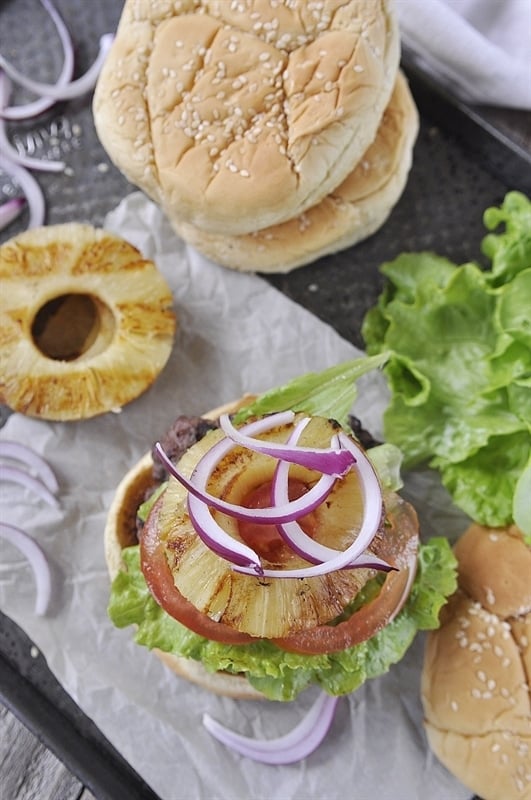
(86, 322)
(265, 608)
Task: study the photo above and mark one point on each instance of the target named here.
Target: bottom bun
(475, 680)
(120, 533)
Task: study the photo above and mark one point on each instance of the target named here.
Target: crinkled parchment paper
(236, 334)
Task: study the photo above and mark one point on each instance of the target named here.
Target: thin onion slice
(24, 160)
(20, 476)
(288, 749)
(196, 484)
(37, 560)
(36, 107)
(200, 502)
(219, 541)
(30, 187)
(332, 461)
(10, 210)
(70, 90)
(21, 452)
(294, 535)
(373, 505)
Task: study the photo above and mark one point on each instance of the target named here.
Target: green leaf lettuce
(458, 345)
(278, 674)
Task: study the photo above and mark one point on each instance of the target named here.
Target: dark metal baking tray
(465, 159)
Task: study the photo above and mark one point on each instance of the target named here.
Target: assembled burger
(263, 547)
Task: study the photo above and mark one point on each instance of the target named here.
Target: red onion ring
(10, 210)
(11, 152)
(333, 461)
(30, 187)
(372, 498)
(200, 502)
(42, 104)
(196, 484)
(70, 90)
(293, 746)
(21, 452)
(20, 476)
(294, 535)
(37, 561)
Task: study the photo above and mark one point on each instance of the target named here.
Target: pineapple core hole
(73, 326)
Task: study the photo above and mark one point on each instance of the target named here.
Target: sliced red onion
(37, 561)
(332, 461)
(30, 187)
(218, 540)
(294, 535)
(201, 502)
(372, 500)
(20, 476)
(70, 90)
(288, 749)
(21, 452)
(271, 514)
(42, 104)
(11, 152)
(10, 210)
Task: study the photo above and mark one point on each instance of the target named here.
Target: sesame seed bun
(238, 116)
(350, 213)
(475, 680)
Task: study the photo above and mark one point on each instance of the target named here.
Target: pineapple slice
(86, 323)
(262, 607)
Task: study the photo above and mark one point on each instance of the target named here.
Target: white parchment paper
(236, 334)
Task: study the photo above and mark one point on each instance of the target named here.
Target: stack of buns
(475, 681)
(269, 132)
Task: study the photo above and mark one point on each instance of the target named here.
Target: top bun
(475, 682)
(237, 116)
(352, 212)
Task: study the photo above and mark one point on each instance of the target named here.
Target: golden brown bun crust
(120, 518)
(238, 116)
(350, 213)
(475, 680)
(110, 332)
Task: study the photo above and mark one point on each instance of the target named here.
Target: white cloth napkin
(480, 49)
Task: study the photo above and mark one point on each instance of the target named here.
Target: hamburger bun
(349, 214)
(118, 534)
(237, 116)
(475, 680)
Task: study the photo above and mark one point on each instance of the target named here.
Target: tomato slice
(399, 547)
(159, 579)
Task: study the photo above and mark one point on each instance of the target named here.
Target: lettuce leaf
(330, 393)
(458, 346)
(278, 674)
